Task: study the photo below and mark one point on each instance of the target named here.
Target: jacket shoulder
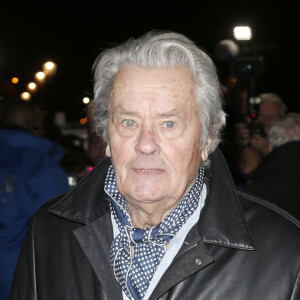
(43, 211)
(260, 210)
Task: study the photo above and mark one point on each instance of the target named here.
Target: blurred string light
(15, 80)
(242, 33)
(86, 100)
(49, 67)
(40, 76)
(32, 86)
(25, 96)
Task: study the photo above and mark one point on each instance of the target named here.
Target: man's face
(154, 134)
(269, 113)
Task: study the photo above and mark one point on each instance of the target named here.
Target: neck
(149, 215)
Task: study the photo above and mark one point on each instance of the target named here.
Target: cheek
(121, 152)
(179, 155)
(196, 153)
(194, 158)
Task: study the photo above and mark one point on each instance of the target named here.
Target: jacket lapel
(222, 220)
(88, 204)
(87, 201)
(95, 240)
(221, 223)
(192, 257)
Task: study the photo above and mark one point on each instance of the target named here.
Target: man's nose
(147, 142)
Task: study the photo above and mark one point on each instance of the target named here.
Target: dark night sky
(72, 34)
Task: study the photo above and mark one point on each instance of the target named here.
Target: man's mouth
(148, 171)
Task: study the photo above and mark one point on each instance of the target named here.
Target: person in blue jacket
(30, 175)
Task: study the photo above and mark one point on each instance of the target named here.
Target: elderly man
(161, 219)
(271, 109)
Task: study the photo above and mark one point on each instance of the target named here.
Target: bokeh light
(83, 120)
(15, 80)
(49, 68)
(86, 100)
(25, 96)
(40, 76)
(242, 33)
(49, 65)
(32, 86)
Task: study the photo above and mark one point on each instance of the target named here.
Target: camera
(255, 127)
(247, 67)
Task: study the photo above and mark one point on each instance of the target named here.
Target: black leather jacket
(242, 248)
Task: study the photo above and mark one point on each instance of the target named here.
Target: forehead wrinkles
(170, 83)
(127, 77)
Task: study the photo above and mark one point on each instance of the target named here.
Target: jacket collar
(87, 201)
(221, 222)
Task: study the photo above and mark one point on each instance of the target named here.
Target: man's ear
(107, 151)
(205, 151)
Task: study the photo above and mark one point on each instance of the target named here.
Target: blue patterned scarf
(134, 273)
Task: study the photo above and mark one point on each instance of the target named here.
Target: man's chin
(145, 195)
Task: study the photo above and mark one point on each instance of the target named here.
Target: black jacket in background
(277, 178)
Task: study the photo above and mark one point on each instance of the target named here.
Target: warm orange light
(32, 86)
(83, 120)
(15, 80)
(25, 96)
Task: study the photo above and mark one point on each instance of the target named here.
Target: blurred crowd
(262, 147)
(38, 162)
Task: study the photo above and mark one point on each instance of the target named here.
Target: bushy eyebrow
(127, 113)
(171, 113)
(166, 115)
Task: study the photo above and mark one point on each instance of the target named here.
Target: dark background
(73, 33)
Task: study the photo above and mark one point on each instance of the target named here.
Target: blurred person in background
(277, 178)
(96, 150)
(76, 161)
(30, 175)
(271, 108)
(247, 160)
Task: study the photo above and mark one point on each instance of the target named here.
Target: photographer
(277, 177)
(254, 133)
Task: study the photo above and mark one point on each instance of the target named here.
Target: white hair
(272, 97)
(160, 50)
(286, 129)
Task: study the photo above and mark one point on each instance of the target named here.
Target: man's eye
(128, 123)
(169, 124)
